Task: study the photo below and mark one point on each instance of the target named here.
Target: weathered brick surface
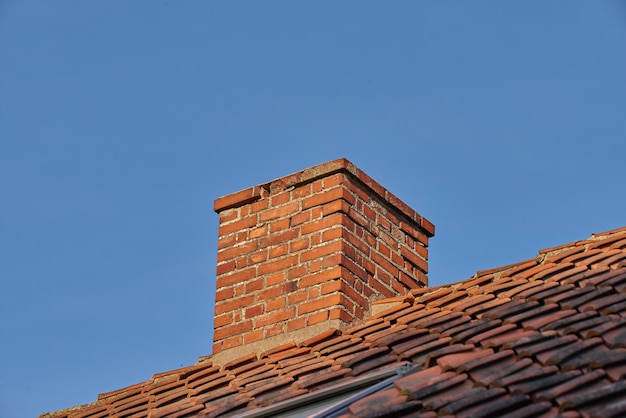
(314, 246)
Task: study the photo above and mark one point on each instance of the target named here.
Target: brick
(360, 193)
(274, 330)
(397, 286)
(339, 205)
(384, 223)
(275, 317)
(299, 245)
(327, 196)
(276, 278)
(332, 260)
(411, 229)
(356, 242)
(301, 191)
(280, 264)
(334, 180)
(295, 324)
(372, 184)
(259, 205)
(229, 215)
(380, 287)
(408, 281)
(315, 265)
(300, 218)
(281, 237)
(237, 199)
(321, 303)
(324, 223)
(278, 251)
(239, 289)
(224, 293)
(236, 277)
(232, 342)
(384, 263)
(356, 269)
(280, 198)
(356, 297)
(279, 225)
(321, 251)
(358, 218)
(313, 292)
(276, 291)
(369, 213)
(254, 285)
(258, 232)
(233, 304)
(221, 320)
(391, 242)
(421, 250)
(368, 266)
(275, 304)
(257, 257)
(318, 317)
(397, 259)
(315, 239)
(297, 297)
(236, 226)
(253, 336)
(317, 186)
(279, 212)
(235, 251)
(340, 314)
(428, 227)
(253, 311)
(297, 272)
(331, 287)
(230, 330)
(398, 204)
(225, 242)
(225, 267)
(321, 277)
(316, 213)
(414, 258)
(333, 233)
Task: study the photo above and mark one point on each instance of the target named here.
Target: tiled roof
(541, 338)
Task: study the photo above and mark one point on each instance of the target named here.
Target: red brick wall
(310, 248)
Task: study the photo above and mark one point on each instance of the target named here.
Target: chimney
(309, 252)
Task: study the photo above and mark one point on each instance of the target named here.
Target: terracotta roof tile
(388, 401)
(410, 344)
(576, 384)
(475, 282)
(457, 360)
(473, 397)
(474, 328)
(509, 269)
(609, 277)
(541, 338)
(419, 353)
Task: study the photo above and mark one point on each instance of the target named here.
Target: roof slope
(544, 337)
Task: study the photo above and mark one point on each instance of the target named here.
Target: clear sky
(121, 121)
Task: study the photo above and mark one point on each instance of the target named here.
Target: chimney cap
(254, 193)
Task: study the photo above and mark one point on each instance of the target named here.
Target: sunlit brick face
(309, 252)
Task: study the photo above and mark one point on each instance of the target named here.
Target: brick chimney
(309, 252)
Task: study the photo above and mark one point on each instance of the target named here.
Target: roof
(543, 337)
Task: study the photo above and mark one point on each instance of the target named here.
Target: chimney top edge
(254, 193)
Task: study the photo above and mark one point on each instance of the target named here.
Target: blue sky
(120, 123)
